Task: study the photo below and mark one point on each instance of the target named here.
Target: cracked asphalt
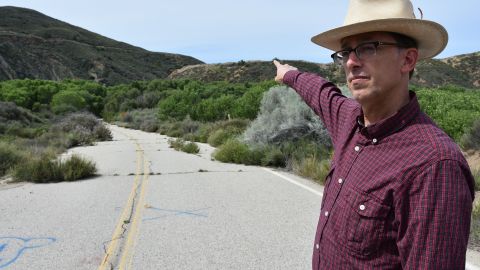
(152, 207)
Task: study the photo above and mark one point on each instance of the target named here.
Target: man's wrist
(289, 77)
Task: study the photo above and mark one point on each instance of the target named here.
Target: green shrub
(189, 126)
(205, 131)
(471, 139)
(174, 130)
(102, 133)
(236, 152)
(38, 169)
(77, 167)
(474, 240)
(312, 167)
(218, 137)
(176, 144)
(9, 157)
(221, 131)
(191, 148)
(142, 119)
(67, 101)
(476, 178)
(237, 124)
(180, 145)
(45, 169)
(274, 157)
(454, 109)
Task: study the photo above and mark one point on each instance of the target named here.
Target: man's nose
(352, 60)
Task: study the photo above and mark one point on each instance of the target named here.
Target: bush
(171, 129)
(9, 157)
(312, 167)
(38, 169)
(191, 148)
(102, 133)
(67, 101)
(476, 178)
(273, 156)
(181, 145)
(11, 112)
(474, 240)
(219, 137)
(45, 169)
(284, 117)
(176, 143)
(77, 168)
(84, 129)
(471, 139)
(454, 109)
(237, 152)
(221, 131)
(142, 119)
(204, 132)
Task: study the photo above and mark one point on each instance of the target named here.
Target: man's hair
(405, 42)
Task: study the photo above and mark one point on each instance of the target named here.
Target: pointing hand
(281, 70)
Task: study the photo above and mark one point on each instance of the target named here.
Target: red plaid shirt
(399, 194)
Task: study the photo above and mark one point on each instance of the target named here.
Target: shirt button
(357, 148)
(362, 207)
(374, 141)
(326, 213)
(317, 246)
(340, 180)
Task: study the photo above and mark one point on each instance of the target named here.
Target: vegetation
(45, 168)
(175, 100)
(33, 130)
(453, 108)
(181, 145)
(476, 177)
(474, 241)
(471, 138)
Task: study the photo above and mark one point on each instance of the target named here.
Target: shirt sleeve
(326, 100)
(434, 218)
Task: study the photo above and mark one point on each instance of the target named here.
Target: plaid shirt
(399, 194)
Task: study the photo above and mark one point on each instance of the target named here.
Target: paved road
(163, 209)
(156, 208)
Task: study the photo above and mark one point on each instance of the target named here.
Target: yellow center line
(127, 256)
(112, 249)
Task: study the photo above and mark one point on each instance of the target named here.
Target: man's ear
(409, 60)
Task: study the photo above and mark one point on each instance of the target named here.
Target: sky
(218, 31)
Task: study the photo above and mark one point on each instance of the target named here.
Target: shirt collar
(392, 124)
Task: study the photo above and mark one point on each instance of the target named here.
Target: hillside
(459, 70)
(251, 71)
(33, 45)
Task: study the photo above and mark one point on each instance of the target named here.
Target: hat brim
(431, 37)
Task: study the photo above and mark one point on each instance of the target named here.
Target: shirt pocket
(365, 223)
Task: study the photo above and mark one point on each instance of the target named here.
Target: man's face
(373, 78)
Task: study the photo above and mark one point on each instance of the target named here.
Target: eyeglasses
(362, 51)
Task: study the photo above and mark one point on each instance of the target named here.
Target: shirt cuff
(290, 76)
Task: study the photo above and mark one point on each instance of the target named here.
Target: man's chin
(359, 94)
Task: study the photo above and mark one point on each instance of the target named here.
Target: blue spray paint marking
(178, 213)
(11, 248)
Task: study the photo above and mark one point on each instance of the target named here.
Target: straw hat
(387, 16)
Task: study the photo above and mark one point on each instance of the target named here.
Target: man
(399, 194)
